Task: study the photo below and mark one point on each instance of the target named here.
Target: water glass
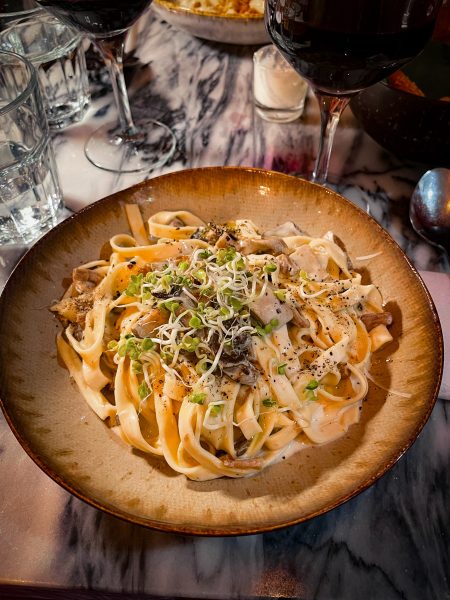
(30, 197)
(279, 92)
(58, 55)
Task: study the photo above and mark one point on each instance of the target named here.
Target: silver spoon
(429, 210)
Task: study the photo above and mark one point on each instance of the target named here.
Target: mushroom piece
(372, 320)
(146, 325)
(271, 245)
(74, 309)
(286, 266)
(268, 307)
(85, 279)
(243, 372)
(287, 229)
(306, 260)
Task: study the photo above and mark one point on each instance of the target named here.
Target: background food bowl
(411, 126)
(230, 29)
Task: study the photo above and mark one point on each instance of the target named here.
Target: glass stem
(331, 108)
(112, 51)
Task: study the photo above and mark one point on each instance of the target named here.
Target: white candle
(278, 89)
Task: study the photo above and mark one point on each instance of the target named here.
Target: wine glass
(343, 46)
(126, 146)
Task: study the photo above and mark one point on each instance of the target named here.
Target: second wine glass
(341, 48)
(126, 146)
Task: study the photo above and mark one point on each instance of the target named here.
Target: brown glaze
(61, 434)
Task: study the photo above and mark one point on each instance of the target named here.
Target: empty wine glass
(130, 145)
(342, 47)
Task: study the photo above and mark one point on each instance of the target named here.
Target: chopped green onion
(200, 274)
(235, 303)
(189, 343)
(195, 322)
(183, 266)
(260, 331)
(171, 305)
(225, 255)
(122, 350)
(269, 402)
(136, 366)
(215, 409)
(147, 344)
(226, 312)
(112, 345)
(204, 254)
(282, 369)
(274, 322)
(281, 295)
(268, 328)
(198, 398)
(304, 275)
(134, 287)
(312, 385)
(143, 390)
(270, 267)
(240, 264)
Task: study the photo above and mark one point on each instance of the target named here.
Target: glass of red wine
(126, 146)
(343, 46)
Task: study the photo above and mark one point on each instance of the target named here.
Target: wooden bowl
(57, 429)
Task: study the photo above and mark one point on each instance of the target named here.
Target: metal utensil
(429, 210)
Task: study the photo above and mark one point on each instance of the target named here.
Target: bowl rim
(182, 10)
(195, 530)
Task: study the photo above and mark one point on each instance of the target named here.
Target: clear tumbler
(30, 197)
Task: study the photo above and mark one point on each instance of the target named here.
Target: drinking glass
(30, 198)
(128, 146)
(57, 53)
(10, 10)
(342, 47)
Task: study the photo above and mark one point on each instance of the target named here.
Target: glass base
(151, 147)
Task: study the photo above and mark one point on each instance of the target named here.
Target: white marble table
(391, 542)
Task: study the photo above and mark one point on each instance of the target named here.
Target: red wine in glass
(342, 47)
(129, 146)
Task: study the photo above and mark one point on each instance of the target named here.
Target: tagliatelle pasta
(218, 347)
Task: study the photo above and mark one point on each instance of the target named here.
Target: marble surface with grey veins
(392, 542)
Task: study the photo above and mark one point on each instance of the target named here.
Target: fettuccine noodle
(216, 347)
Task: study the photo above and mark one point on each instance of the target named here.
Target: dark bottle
(342, 47)
(97, 18)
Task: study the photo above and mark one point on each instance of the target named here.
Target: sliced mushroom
(286, 266)
(74, 309)
(270, 245)
(243, 372)
(268, 307)
(85, 279)
(146, 325)
(306, 260)
(372, 320)
(287, 229)
(177, 222)
(298, 319)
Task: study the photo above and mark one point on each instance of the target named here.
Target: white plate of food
(227, 21)
(217, 374)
